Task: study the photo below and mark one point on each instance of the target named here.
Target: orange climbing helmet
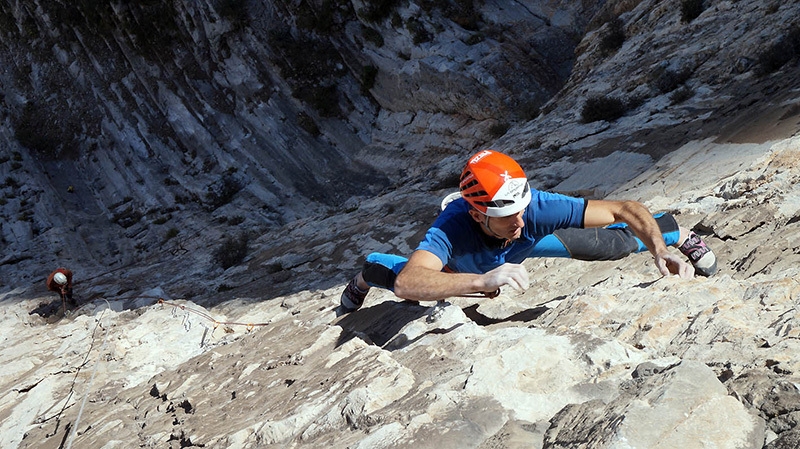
(495, 184)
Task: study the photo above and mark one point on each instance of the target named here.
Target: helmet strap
(489, 228)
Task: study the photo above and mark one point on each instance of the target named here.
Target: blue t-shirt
(462, 246)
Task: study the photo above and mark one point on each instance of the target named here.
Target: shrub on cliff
(232, 251)
(690, 9)
(602, 107)
(377, 10)
(780, 52)
(612, 36)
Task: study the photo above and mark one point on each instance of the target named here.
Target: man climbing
(60, 281)
(478, 242)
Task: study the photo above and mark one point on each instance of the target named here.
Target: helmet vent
(478, 193)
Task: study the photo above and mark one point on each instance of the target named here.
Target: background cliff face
(129, 126)
(241, 157)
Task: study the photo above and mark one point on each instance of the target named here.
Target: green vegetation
(232, 251)
(691, 9)
(152, 23)
(154, 27)
(375, 11)
(162, 219)
(499, 129)
(462, 12)
(368, 75)
(786, 48)
(475, 38)
(90, 16)
(321, 16)
(171, 233)
(307, 123)
(612, 36)
(234, 11)
(419, 34)
(374, 36)
(127, 216)
(236, 220)
(666, 80)
(48, 128)
(11, 183)
(602, 107)
(773, 7)
(681, 94)
(222, 191)
(311, 66)
(529, 110)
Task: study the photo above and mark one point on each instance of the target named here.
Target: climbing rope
(74, 379)
(200, 313)
(91, 379)
(489, 295)
(217, 323)
(88, 387)
(73, 433)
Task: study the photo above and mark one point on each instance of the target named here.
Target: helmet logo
(506, 177)
(517, 188)
(480, 156)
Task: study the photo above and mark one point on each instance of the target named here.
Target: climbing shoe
(701, 256)
(352, 298)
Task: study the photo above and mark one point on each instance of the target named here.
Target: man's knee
(669, 228)
(598, 243)
(380, 270)
(377, 275)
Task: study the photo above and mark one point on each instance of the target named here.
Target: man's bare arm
(422, 279)
(642, 223)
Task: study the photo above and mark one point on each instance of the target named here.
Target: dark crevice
(524, 316)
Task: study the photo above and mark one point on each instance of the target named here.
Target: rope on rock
(91, 379)
(217, 323)
(489, 295)
(200, 313)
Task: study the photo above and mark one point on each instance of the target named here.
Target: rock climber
(60, 281)
(480, 239)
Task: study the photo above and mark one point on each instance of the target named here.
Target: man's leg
(617, 241)
(609, 243)
(380, 270)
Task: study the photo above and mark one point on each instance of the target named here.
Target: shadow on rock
(524, 316)
(53, 311)
(380, 323)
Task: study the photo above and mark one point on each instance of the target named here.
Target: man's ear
(477, 216)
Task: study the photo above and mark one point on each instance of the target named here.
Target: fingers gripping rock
(511, 274)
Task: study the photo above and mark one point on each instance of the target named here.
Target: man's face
(509, 228)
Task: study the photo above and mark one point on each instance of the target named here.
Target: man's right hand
(511, 274)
